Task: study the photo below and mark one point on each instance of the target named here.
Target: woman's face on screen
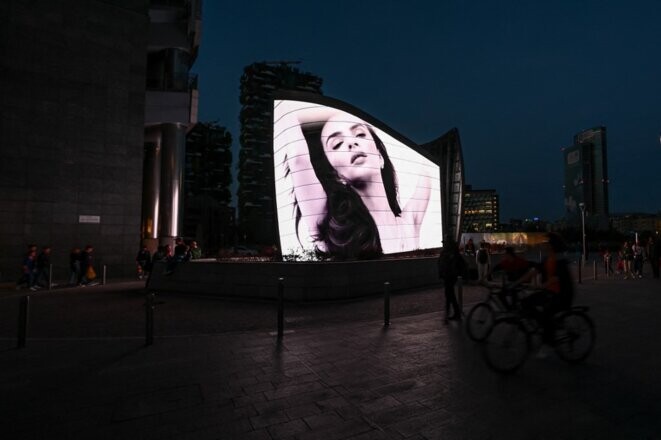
(350, 148)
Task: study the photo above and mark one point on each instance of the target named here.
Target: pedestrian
(469, 249)
(195, 251)
(74, 266)
(608, 268)
(653, 252)
(483, 261)
(88, 274)
(627, 258)
(451, 266)
(638, 258)
(144, 261)
(42, 276)
(28, 268)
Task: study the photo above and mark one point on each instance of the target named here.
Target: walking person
(195, 251)
(28, 270)
(483, 261)
(627, 257)
(653, 252)
(74, 266)
(88, 274)
(451, 266)
(144, 261)
(42, 276)
(638, 259)
(608, 258)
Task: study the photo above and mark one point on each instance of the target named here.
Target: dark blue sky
(517, 78)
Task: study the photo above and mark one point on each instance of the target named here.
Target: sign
(89, 219)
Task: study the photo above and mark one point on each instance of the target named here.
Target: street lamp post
(582, 206)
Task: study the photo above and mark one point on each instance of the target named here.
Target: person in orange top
(557, 291)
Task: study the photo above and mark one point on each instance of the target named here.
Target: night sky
(517, 78)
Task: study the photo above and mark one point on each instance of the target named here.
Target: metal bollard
(460, 294)
(281, 307)
(540, 256)
(103, 281)
(386, 303)
(579, 264)
(50, 276)
(149, 319)
(23, 319)
(594, 269)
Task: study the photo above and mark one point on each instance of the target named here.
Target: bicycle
(482, 316)
(514, 335)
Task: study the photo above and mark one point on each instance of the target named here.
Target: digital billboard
(348, 187)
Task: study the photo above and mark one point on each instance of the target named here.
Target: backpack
(482, 256)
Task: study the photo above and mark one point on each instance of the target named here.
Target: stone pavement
(216, 371)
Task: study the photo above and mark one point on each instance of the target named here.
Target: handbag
(90, 274)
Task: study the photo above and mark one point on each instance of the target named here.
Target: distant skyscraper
(481, 210)
(586, 178)
(256, 187)
(208, 218)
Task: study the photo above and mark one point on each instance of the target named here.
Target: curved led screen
(348, 188)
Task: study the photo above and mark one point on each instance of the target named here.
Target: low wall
(302, 281)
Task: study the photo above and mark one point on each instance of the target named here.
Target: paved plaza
(217, 371)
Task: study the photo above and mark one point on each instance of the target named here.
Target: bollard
(281, 307)
(50, 276)
(386, 303)
(460, 294)
(540, 256)
(103, 281)
(578, 263)
(594, 269)
(149, 319)
(23, 318)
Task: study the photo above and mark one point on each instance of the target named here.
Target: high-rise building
(256, 198)
(208, 218)
(170, 112)
(586, 178)
(481, 210)
(72, 81)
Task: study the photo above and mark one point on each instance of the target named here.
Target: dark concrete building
(72, 81)
(256, 197)
(586, 178)
(481, 211)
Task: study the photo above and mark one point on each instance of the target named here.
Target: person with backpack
(451, 266)
(483, 261)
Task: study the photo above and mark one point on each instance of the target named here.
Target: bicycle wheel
(573, 336)
(479, 321)
(507, 346)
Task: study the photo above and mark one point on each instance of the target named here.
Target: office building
(480, 210)
(256, 206)
(586, 178)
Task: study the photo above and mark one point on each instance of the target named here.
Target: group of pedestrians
(631, 259)
(36, 267)
(181, 253)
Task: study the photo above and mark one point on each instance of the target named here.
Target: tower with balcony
(170, 112)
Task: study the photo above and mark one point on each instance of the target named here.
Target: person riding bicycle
(557, 292)
(514, 268)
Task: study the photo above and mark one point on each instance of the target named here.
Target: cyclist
(514, 267)
(557, 291)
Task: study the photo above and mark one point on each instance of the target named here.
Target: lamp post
(582, 206)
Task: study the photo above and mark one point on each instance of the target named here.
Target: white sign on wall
(89, 219)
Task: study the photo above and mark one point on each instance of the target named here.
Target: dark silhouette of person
(451, 266)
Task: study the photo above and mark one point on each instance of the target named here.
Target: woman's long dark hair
(348, 229)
